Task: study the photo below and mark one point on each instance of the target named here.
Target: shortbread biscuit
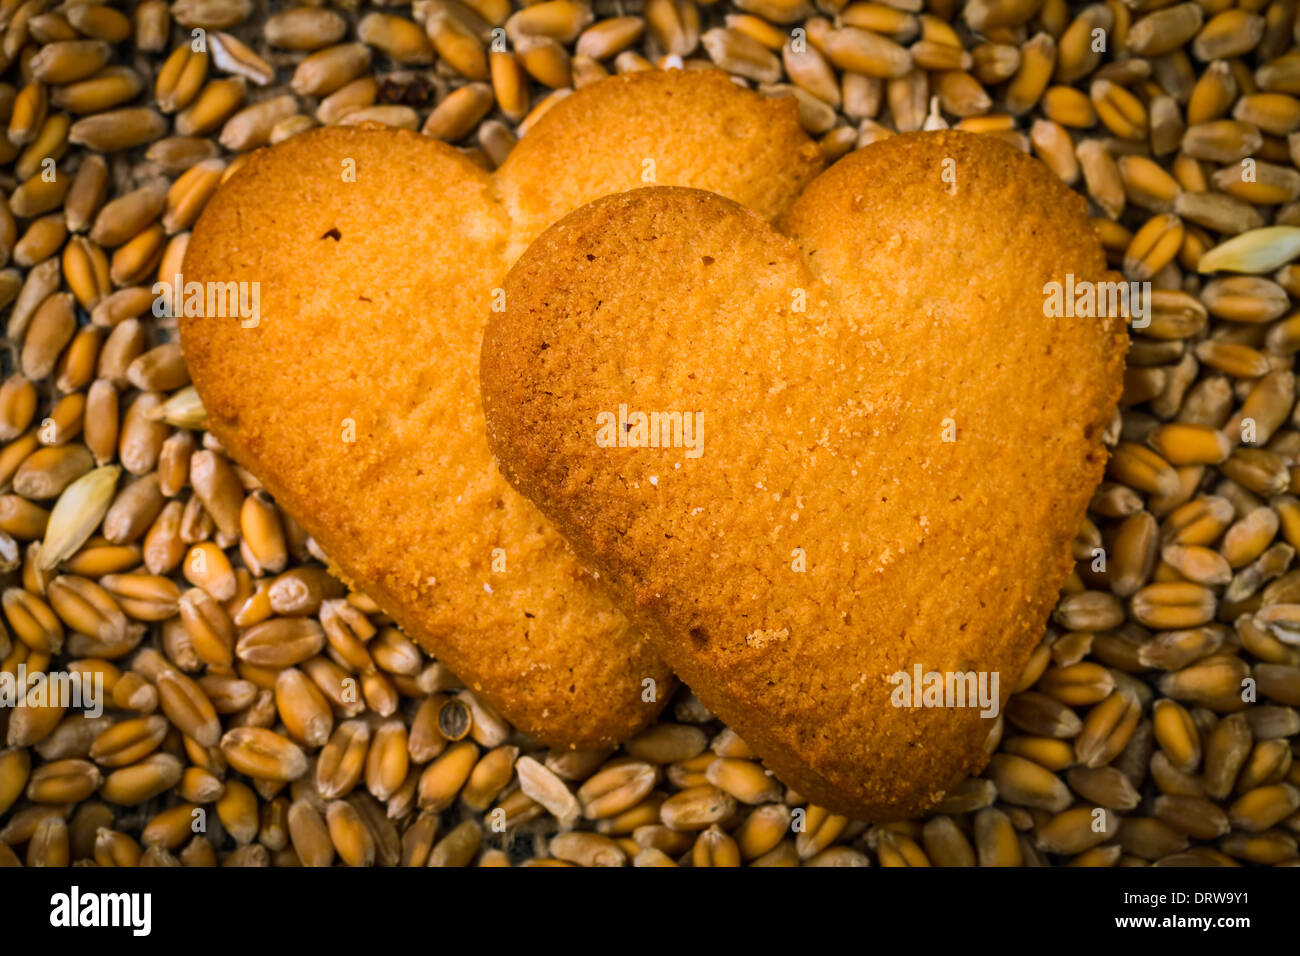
(693, 129)
(894, 451)
(378, 255)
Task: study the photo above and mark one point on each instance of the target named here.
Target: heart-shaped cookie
(821, 465)
(376, 256)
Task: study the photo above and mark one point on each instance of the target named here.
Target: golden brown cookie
(693, 129)
(890, 445)
(377, 255)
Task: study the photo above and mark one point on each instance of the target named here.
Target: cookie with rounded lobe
(890, 447)
(377, 256)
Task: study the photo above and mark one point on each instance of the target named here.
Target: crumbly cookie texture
(898, 446)
(693, 129)
(355, 398)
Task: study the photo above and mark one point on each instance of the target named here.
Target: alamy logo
(1084, 299)
(651, 430)
(54, 689)
(946, 689)
(213, 300)
(74, 909)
